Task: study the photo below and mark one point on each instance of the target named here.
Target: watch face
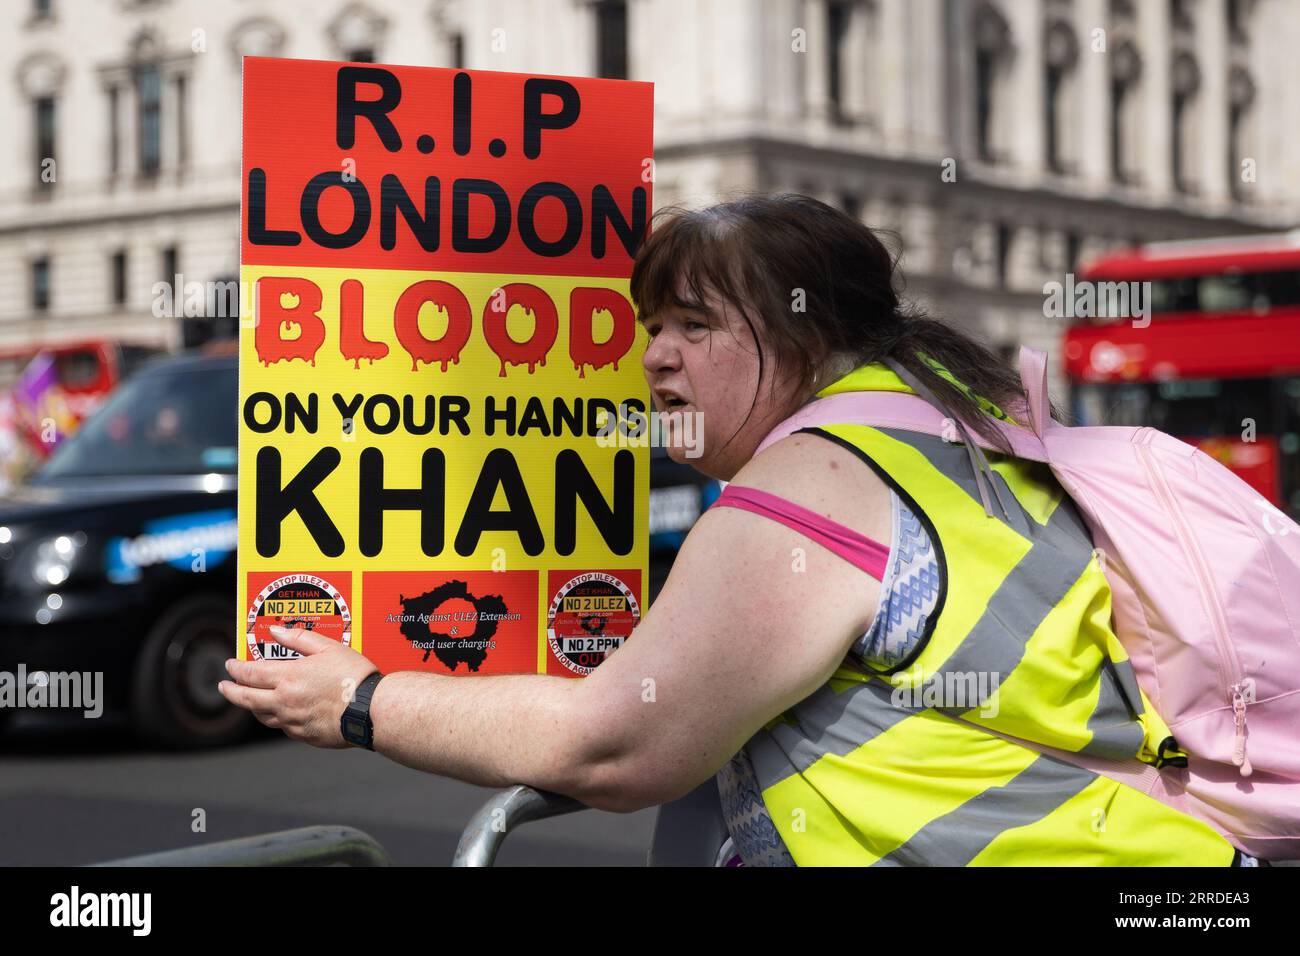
(353, 729)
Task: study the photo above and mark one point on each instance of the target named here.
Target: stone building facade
(1004, 141)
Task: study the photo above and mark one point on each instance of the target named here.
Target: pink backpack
(1205, 581)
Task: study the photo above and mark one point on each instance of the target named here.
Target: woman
(821, 622)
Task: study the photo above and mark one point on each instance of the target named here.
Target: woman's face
(702, 369)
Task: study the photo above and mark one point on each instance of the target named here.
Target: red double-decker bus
(1216, 361)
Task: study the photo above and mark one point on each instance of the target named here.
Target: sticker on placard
(301, 601)
(590, 616)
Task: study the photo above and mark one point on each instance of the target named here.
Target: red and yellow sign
(441, 339)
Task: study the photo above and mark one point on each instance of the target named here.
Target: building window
(170, 266)
(839, 15)
(118, 267)
(1073, 246)
(148, 93)
(1241, 97)
(46, 114)
(1178, 110)
(1236, 17)
(182, 121)
(1125, 69)
(41, 284)
(1118, 95)
(1236, 119)
(1061, 52)
(1186, 82)
(1003, 252)
(1051, 118)
(1180, 15)
(992, 50)
(114, 137)
(983, 104)
(611, 39)
(42, 9)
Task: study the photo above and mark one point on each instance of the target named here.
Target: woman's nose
(661, 354)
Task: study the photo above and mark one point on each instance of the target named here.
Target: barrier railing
(688, 832)
(487, 829)
(307, 846)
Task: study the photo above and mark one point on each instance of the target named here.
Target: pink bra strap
(859, 550)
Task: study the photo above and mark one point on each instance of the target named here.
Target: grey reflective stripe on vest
(950, 460)
(960, 835)
(837, 723)
(828, 723)
(1116, 733)
(1060, 552)
(1128, 684)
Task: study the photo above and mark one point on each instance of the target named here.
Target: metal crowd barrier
(505, 810)
(307, 846)
(688, 832)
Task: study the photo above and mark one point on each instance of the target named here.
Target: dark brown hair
(769, 254)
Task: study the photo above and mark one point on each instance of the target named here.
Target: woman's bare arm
(753, 618)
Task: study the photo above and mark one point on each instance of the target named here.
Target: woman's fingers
(264, 674)
(249, 698)
(303, 641)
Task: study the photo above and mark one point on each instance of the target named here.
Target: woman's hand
(305, 697)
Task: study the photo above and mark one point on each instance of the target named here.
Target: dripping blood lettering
(289, 325)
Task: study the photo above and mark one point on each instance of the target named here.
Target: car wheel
(174, 699)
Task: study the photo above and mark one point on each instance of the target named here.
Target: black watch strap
(355, 724)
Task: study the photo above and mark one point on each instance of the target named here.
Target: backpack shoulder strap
(895, 410)
(1033, 378)
(878, 409)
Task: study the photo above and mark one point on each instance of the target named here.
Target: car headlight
(53, 558)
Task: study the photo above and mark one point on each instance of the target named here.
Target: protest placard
(441, 334)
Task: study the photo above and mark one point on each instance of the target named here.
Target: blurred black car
(119, 555)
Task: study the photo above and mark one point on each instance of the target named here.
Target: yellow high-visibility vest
(871, 769)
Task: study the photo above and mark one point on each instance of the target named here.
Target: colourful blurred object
(60, 385)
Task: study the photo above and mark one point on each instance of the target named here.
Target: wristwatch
(355, 722)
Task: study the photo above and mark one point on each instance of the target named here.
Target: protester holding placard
(762, 660)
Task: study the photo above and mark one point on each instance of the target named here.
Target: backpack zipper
(1232, 684)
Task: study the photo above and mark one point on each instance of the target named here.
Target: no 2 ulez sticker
(305, 601)
(590, 615)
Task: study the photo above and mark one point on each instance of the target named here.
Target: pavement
(68, 801)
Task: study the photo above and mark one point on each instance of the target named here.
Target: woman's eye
(692, 326)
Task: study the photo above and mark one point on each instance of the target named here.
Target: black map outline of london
(417, 625)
